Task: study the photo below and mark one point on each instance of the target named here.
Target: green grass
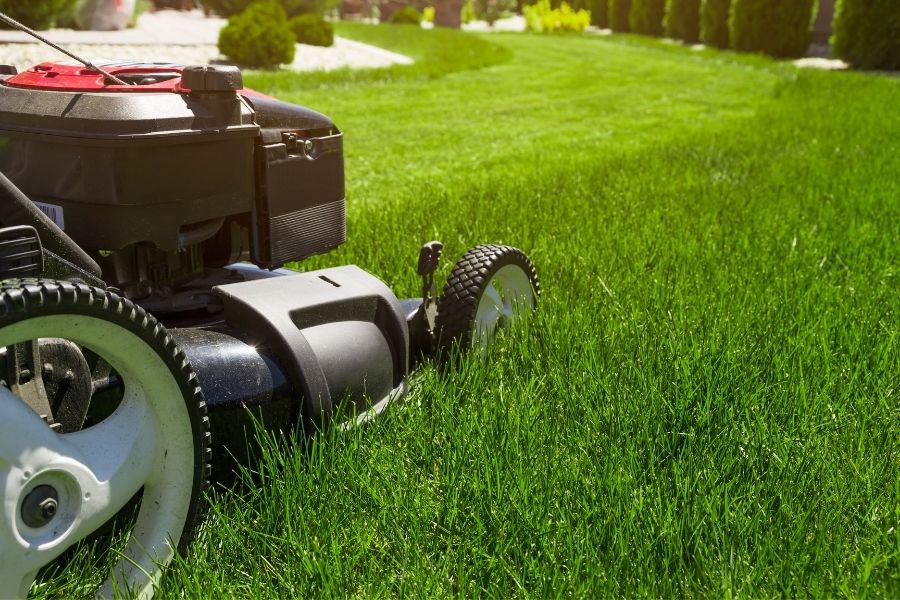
(707, 403)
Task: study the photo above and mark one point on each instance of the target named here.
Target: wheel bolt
(40, 506)
(48, 508)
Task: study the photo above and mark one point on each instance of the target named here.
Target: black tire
(466, 286)
(21, 300)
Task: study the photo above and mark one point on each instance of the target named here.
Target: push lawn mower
(146, 210)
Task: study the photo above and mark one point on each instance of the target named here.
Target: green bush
(779, 28)
(542, 17)
(646, 16)
(37, 14)
(599, 12)
(306, 7)
(313, 30)
(682, 20)
(228, 8)
(714, 22)
(618, 15)
(867, 33)
(408, 15)
(492, 10)
(258, 37)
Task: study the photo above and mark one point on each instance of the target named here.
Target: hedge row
(774, 27)
(683, 20)
(867, 33)
(780, 28)
(619, 11)
(646, 16)
(714, 22)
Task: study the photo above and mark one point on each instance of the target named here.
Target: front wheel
(147, 432)
(489, 288)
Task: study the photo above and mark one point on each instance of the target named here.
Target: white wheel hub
(507, 294)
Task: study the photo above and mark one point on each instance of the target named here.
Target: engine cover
(115, 165)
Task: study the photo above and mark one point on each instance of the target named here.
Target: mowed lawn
(708, 402)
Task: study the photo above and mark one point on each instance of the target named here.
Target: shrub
(306, 7)
(313, 30)
(682, 20)
(542, 17)
(228, 8)
(37, 14)
(714, 22)
(408, 15)
(779, 28)
(258, 37)
(492, 10)
(646, 16)
(867, 33)
(599, 12)
(618, 15)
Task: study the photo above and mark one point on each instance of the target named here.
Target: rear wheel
(489, 288)
(58, 488)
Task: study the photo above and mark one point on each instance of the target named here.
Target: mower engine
(144, 222)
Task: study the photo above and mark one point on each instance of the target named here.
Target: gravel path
(179, 37)
(344, 53)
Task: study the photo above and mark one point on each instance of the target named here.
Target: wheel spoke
(16, 587)
(494, 296)
(120, 452)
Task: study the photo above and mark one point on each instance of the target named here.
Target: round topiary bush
(714, 22)
(646, 16)
(867, 33)
(775, 27)
(619, 11)
(37, 14)
(682, 20)
(258, 37)
(408, 15)
(313, 30)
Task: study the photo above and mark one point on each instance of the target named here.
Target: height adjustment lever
(429, 258)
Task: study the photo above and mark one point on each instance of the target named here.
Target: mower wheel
(149, 432)
(489, 288)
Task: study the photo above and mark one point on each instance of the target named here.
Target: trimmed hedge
(258, 37)
(37, 14)
(228, 8)
(646, 16)
(867, 33)
(618, 15)
(682, 20)
(408, 15)
(313, 30)
(780, 28)
(714, 22)
(599, 12)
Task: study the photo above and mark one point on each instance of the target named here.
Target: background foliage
(258, 37)
(37, 14)
(867, 33)
(646, 16)
(619, 13)
(714, 15)
(775, 27)
(682, 20)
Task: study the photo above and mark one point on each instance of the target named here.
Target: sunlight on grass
(707, 402)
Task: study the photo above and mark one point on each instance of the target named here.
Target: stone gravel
(344, 53)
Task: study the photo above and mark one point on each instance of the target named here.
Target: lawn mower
(146, 321)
